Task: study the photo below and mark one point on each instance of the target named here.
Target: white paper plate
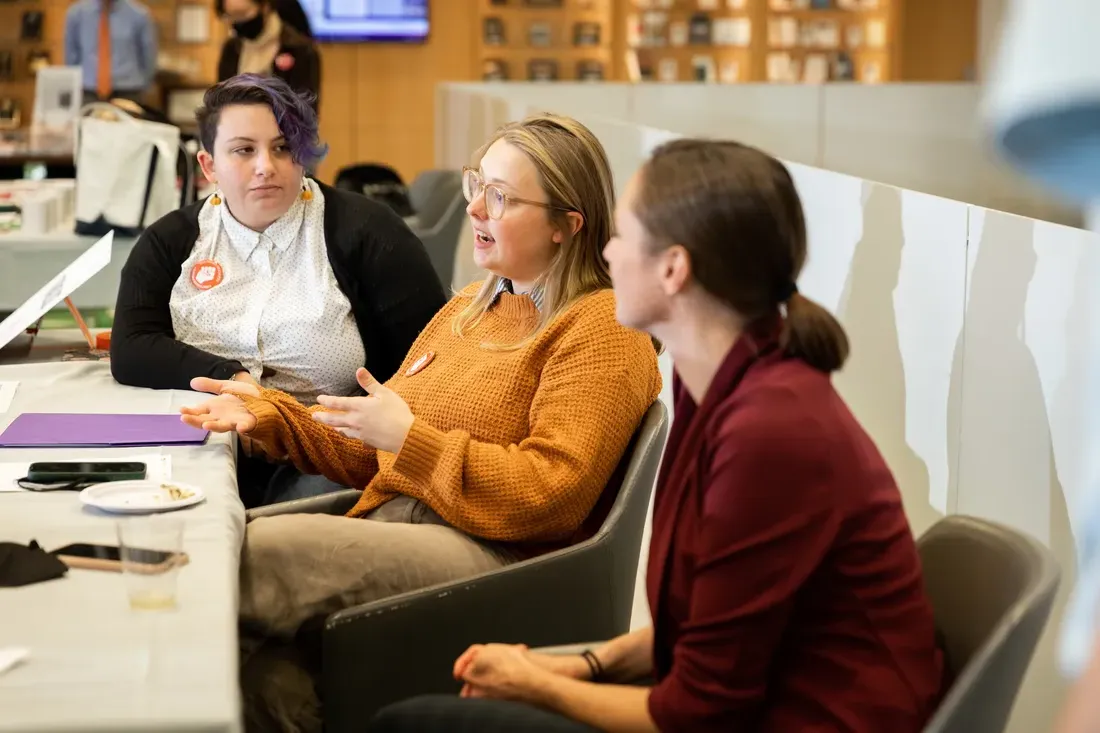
(140, 497)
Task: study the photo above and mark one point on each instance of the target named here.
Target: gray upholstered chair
(440, 208)
(992, 589)
(398, 647)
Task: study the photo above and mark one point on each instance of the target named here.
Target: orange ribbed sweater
(513, 446)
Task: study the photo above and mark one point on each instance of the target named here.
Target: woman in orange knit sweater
(494, 439)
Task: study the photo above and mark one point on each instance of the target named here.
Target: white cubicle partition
(975, 341)
(922, 137)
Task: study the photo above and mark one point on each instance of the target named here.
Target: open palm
(225, 413)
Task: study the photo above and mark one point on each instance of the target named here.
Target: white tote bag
(125, 172)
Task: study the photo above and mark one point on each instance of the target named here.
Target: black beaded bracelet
(594, 665)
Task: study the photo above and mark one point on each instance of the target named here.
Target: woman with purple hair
(275, 279)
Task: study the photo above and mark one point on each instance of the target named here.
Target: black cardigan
(380, 265)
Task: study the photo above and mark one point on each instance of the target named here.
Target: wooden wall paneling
(940, 40)
(393, 110)
(337, 109)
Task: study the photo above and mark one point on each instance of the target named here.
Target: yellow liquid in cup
(152, 601)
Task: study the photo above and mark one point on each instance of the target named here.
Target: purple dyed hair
(293, 112)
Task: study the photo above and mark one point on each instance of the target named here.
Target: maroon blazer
(784, 582)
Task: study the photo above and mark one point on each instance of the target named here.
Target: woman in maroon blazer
(783, 579)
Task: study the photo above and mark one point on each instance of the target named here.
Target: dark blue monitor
(368, 21)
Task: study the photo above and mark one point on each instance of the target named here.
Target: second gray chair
(991, 589)
(436, 197)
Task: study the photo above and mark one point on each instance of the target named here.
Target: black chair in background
(379, 182)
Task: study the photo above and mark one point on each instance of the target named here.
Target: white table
(95, 665)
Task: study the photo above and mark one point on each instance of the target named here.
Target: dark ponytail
(813, 335)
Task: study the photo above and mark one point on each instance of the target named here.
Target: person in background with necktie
(115, 43)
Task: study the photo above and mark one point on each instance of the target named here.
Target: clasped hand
(512, 671)
(382, 419)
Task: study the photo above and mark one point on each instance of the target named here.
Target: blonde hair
(575, 175)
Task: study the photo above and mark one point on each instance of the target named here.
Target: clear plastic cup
(151, 549)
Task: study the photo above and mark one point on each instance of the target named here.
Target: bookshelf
(814, 41)
(779, 41)
(546, 40)
(693, 40)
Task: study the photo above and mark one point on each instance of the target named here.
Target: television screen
(351, 21)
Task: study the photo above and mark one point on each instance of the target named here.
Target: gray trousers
(299, 567)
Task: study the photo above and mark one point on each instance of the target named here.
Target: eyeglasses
(495, 198)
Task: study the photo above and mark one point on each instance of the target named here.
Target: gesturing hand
(226, 412)
(381, 419)
(226, 386)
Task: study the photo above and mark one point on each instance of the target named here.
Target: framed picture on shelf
(540, 35)
(816, 69)
(678, 33)
(586, 34)
(700, 29)
(732, 32)
(492, 32)
(30, 25)
(729, 72)
(843, 68)
(494, 70)
(876, 33)
(668, 70)
(870, 72)
(542, 70)
(703, 68)
(654, 28)
(589, 70)
(854, 36)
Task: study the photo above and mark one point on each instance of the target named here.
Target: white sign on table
(83, 268)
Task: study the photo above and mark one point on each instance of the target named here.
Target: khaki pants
(297, 567)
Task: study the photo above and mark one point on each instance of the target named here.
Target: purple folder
(63, 430)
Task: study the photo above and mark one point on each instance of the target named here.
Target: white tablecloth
(96, 665)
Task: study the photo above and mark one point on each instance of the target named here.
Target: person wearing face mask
(493, 442)
(275, 279)
(264, 42)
